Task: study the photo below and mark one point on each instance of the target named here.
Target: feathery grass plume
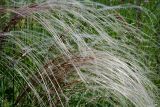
(62, 49)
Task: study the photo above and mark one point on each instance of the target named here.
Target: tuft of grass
(74, 53)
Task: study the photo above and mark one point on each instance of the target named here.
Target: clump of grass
(59, 46)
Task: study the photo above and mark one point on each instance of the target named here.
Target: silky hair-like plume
(59, 46)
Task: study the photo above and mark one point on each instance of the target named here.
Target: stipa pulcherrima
(67, 45)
